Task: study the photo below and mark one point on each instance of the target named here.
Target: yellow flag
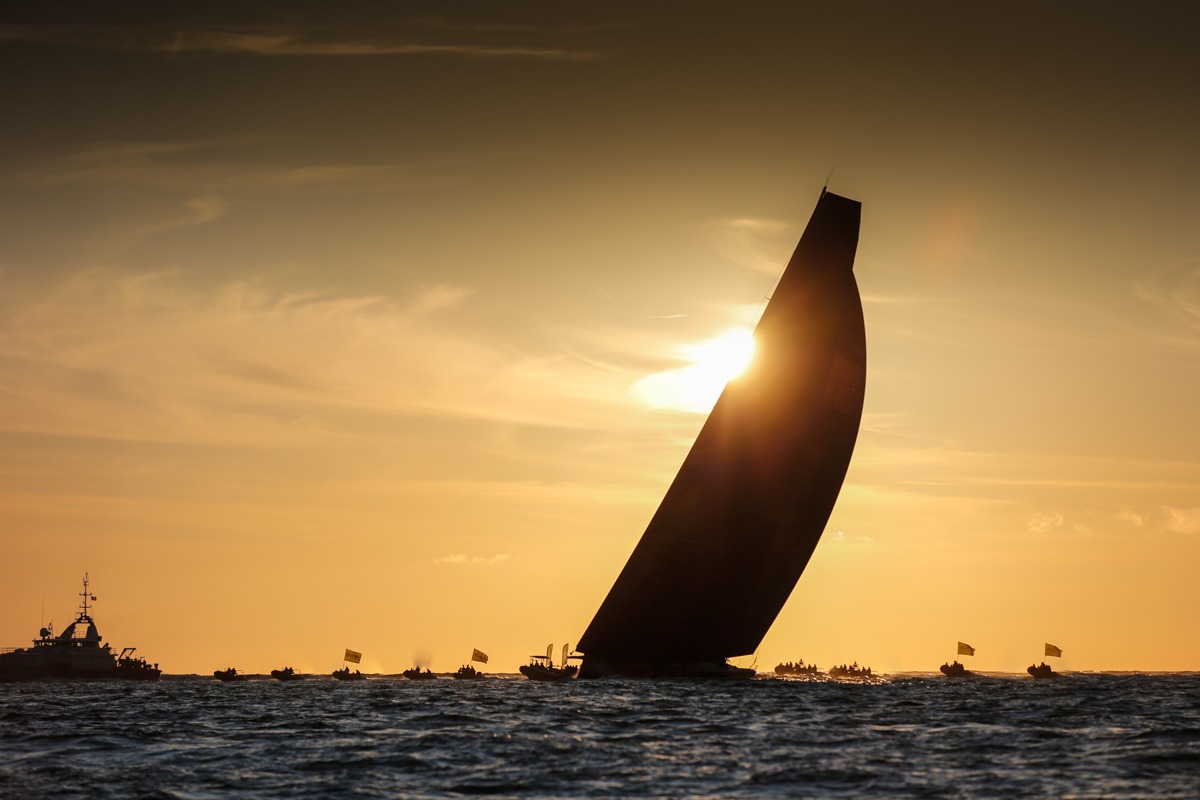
(965, 649)
(352, 656)
(1051, 650)
(478, 655)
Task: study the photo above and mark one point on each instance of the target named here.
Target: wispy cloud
(463, 558)
(489, 42)
(758, 244)
(924, 461)
(996, 321)
(438, 297)
(856, 540)
(167, 185)
(149, 357)
(1182, 520)
(216, 165)
(1053, 522)
(1174, 291)
(1045, 522)
(272, 44)
(1132, 517)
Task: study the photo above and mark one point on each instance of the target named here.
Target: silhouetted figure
(468, 672)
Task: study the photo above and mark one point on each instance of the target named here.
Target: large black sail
(743, 516)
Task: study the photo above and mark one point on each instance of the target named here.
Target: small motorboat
(796, 668)
(416, 674)
(537, 670)
(850, 671)
(541, 668)
(344, 674)
(227, 675)
(285, 674)
(954, 670)
(1042, 670)
(468, 673)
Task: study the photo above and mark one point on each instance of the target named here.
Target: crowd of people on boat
(796, 668)
(849, 671)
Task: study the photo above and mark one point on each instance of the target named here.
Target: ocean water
(1083, 735)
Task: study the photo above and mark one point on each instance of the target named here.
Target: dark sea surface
(1082, 735)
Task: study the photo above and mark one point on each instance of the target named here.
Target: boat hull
(691, 670)
(70, 663)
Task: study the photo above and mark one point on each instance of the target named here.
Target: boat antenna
(828, 178)
(85, 597)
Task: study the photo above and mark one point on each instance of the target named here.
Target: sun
(724, 357)
(697, 386)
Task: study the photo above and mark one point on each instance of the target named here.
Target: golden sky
(372, 326)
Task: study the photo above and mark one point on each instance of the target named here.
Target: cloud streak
(508, 43)
(148, 357)
(215, 165)
(1174, 292)
(463, 558)
(758, 244)
(1182, 520)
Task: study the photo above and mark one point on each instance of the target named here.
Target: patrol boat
(78, 653)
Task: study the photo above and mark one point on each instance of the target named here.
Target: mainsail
(744, 514)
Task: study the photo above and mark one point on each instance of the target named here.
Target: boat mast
(85, 595)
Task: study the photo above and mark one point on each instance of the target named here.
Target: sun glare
(726, 356)
(697, 386)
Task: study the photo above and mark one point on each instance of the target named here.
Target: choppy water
(1079, 736)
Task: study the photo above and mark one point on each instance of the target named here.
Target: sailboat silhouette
(741, 519)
